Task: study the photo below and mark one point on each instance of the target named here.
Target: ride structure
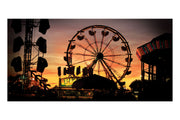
(99, 50)
(33, 51)
(156, 58)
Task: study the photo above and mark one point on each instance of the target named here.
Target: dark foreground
(70, 94)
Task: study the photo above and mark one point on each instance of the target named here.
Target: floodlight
(18, 42)
(41, 42)
(42, 63)
(17, 64)
(16, 25)
(44, 26)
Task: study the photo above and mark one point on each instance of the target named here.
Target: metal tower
(28, 46)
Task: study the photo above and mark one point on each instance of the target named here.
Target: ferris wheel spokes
(107, 45)
(83, 61)
(90, 44)
(84, 48)
(96, 42)
(106, 71)
(114, 71)
(109, 69)
(115, 62)
(102, 41)
(92, 64)
(83, 54)
(115, 55)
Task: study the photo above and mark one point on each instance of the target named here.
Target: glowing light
(88, 62)
(136, 92)
(67, 82)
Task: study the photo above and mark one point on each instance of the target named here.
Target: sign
(67, 82)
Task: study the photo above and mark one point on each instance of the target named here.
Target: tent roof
(160, 54)
(96, 82)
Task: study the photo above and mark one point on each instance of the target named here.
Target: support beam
(142, 71)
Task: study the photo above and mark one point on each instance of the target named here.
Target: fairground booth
(156, 65)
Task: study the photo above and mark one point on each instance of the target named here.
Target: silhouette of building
(156, 67)
(156, 58)
(94, 82)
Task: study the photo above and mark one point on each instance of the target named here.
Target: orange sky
(136, 32)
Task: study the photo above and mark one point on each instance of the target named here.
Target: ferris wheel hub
(99, 56)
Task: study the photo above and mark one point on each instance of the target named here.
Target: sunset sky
(136, 31)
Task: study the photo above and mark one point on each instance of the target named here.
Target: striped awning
(163, 41)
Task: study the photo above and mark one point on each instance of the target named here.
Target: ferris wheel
(101, 50)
